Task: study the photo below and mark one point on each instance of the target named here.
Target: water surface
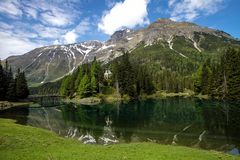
(175, 121)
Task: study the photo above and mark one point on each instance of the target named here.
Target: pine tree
(11, 89)
(232, 73)
(221, 80)
(81, 72)
(21, 85)
(71, 85)
(206, 77)
(11, 93)
(125, 76)
(2, 79)
(65, 87)
(143, 80)
(97, 73)
(8, 76)
(84, 89)
(93, 85)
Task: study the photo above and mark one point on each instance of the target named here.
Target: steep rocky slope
(182, 39)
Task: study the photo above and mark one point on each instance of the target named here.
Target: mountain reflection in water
(176, 121)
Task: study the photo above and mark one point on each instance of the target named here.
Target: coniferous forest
(91, 78)
(220, 80)
(12, 88)
(217, 79)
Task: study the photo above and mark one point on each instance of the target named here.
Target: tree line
(217, 77)
(126, 78)
(84, 82)
(131, 78)
(220, 80)
(12, 88)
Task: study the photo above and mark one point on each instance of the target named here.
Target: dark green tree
(231, 73)
(81, 72)
(84, 89)
(143, 80)
(2, 79)
(11, 92)
(93, 85)
(21, 86)
(65, 86)
(96, 73)
(125, 76)
(206, 77)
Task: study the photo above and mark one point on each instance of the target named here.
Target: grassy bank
(24, 142)
(113, 97)
(7, 104)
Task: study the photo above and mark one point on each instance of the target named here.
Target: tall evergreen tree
(221, 80)
(125, 76)
(81, 72)
(11, 92)
(84, 89)
(8, 76)
(206, 77)
(21, 85)
(232, 73)
(94, 85)
(65, 86)
(96, 73)
(143, 80)
(2, 79)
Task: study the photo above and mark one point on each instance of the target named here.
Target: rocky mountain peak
(50, 63)
(120, 34)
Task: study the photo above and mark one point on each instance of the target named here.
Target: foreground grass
(24, 142)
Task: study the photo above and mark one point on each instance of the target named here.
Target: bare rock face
(51, 63)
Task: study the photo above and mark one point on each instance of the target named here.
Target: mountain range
(163, 44)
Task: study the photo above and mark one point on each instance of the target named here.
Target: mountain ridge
(50, 63)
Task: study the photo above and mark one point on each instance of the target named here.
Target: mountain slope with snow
(182, 39)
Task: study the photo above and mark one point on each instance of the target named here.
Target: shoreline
(109, 98)
(7, 104)
(116, 98)
(22, 142)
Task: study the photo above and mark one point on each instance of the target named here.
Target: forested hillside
(93, 78)
(220, 79)
(170, 48)
(12, 88)
(149, 69)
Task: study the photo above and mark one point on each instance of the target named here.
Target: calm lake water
(175, 121)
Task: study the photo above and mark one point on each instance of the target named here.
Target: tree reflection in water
(178, 121)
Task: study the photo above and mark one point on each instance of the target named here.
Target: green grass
(24, 142)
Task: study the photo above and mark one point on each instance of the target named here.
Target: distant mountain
(163, 42)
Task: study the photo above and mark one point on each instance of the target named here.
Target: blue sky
(27, 24)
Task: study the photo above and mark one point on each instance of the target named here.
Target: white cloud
(10, 7)
(56, 17)
(70, 37)
(110, 3)
(129, 13)
(171, 2)
(83, 26)
(11, 45)
(48, 32)
(80, 29)
(55, 22)
(56, 42)
(5, 26)
(189, 10)
(31, 12)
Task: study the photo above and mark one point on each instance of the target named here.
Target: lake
(175, 121)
